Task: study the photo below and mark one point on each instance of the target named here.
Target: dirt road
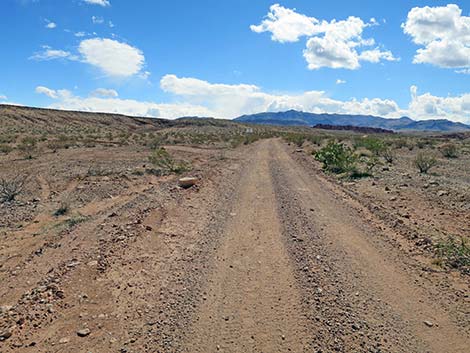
(266, 256)
(298, 270)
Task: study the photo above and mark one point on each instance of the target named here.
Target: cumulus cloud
(334, 44)
(286, 25)
(340, 81)
(428, 106)
(103, 92)
(233, 100)
(444, 35)
(3, 97)
(112, 57)
(191, 96)
(103, 3)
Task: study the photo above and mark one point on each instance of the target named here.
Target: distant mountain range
(297, 118)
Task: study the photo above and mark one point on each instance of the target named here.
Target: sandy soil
(264, 255)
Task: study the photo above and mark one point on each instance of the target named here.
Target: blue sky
(227, 58)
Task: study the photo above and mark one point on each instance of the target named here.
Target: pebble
(83, 332)
(64, 340)
(428, 323)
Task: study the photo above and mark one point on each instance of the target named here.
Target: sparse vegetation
(4, 148)
(449, 150)
(424, 162)
(165, 164)
(373, 144)
(63, 209)
(11, 188)
(388, 155)
(454, 253)
(28, 146)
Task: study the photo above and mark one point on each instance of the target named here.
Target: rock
(442, 193)
(92, 263)
(64, 340)
(187, 182)
(393, 198)
(428, 323)
(5, 334)
(83, 332)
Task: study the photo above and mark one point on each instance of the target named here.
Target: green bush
(424, 162)
(454, 253)
(296, 139)
(337, 158)
(375, 145)
(449, 150)
(165, 164)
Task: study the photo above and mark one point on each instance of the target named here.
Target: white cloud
(80, 34)
(230, 101)
(97, 20)
(103, 3)
(50, 24)
(67, 101)
(463, 71)
(333, 44)
(3, 97)
(340, 81)
(375, 55)
(112, 57)
(48, 92)
(444, 34)
(103, 92)
(50, 54)
(286, 25)
(197, 97)
(427, 106)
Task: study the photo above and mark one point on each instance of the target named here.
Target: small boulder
(83, 332)
(187, 182)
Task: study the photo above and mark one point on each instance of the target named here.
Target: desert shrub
(28, 145)
(316, 139)
(424, 162)
(296, 139)
(11, 188)
(4, 148)
(388, 155)
(401, 143)
(63, 209)
(98, 170)
(165, 164)
(337, 158)
(375, 145)
(455, 253)
(449, 150)
(156, 142)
